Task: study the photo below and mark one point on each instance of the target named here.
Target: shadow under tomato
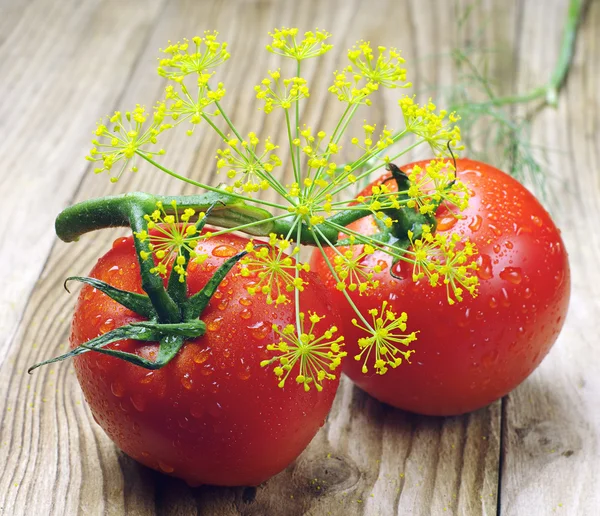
(531, 426)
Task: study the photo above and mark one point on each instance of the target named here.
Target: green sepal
(391, 269)
(138, 303)
(148, 331)
(196, 304)
(168, 311)
(189, 329)
(122, 333)
(169, 346)
(115, 211)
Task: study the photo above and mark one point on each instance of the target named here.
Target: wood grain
(60, 69)
(551, 424)
(65, 64)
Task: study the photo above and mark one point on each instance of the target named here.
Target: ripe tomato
(475, 351)
(212, 415)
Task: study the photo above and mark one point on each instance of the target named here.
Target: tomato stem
(165, 306)
(225, 211)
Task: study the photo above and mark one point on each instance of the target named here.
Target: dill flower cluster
(318, 205)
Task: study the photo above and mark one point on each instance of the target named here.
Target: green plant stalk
(222, 210)
(567, 49)
(228, 212)
(548, 92)
(202, 185)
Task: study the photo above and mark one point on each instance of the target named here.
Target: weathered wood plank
(552, 422)
(54, 86)
(369, 458)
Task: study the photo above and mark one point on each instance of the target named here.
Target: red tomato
(212, 415)
(476, 351)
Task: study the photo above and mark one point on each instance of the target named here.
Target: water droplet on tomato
(148, 377)
(119, 242)
(207, 370)
(493, 302)
(464, 320)
(202, 357)
(223, 303)
(383, 264)
(246, 301)
(559, 278)
(536, 220)
(226, 352)
(246, 314)
(117, 389)
(509, 244)
(214, 387)
(496, 248)
(496, 231)
(107, 326)
(259, 330)
(138, 401)
(197, 410)
(505, 301)
(186, 381)
(215, 324)
(484, 264)
(446, 223)
(244, 374)
(490, 358)
(166, 468)
(512, 274)
(224, 251)
(475, 223)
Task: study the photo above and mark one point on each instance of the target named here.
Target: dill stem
(297, 124)
(337, 278)
(295, 165)
(206, 187)
(548, 92)
(567, 49)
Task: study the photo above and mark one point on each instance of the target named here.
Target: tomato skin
(212, 415)
(476, 351)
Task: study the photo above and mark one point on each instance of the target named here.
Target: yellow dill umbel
(308, 358)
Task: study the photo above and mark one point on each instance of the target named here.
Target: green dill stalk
(505, 131)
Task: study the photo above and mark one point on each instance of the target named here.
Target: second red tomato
(473, 352)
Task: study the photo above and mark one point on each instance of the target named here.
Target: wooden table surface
(64, 64)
